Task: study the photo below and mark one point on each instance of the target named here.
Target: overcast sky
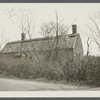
(45, 12)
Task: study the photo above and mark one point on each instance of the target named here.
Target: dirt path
(25, 85)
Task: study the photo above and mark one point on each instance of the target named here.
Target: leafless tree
(94, 28)
(51, 31)
(24, 19)
(3, 40)
(54, 29)
(88, 46)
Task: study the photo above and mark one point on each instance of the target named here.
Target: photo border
(86, 97)
(49, 1)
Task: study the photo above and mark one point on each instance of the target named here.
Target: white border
(57, 94)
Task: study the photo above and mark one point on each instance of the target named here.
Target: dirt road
(25, 85)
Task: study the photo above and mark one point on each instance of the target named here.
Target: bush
(86, 71)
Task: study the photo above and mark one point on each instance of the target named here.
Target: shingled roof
(64, 41)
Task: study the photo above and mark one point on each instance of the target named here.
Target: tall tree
(24, 19)
(3, 39)
(94, 29)
(88, 46)
(54, 29)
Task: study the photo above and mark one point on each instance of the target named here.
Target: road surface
(26, 85)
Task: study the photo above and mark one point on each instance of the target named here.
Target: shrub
(87, 71)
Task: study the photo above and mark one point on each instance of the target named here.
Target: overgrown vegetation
(86, 71)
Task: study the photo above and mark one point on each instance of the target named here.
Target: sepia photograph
(49, 47)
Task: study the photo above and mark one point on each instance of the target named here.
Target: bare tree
(49, 31)
(54, 29)
(88, 46)
(94, 28)
(3, 40)
(57, 26)
(88, 41)
(24, 19)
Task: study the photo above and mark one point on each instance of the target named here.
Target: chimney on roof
(74, 29)
(23, 36)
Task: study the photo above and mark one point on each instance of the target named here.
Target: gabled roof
(64, 41)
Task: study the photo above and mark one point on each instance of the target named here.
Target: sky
(45, 12)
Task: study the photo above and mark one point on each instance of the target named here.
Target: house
(69, 47)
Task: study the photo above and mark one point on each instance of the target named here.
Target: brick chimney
(74, 29)
(23, 36)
